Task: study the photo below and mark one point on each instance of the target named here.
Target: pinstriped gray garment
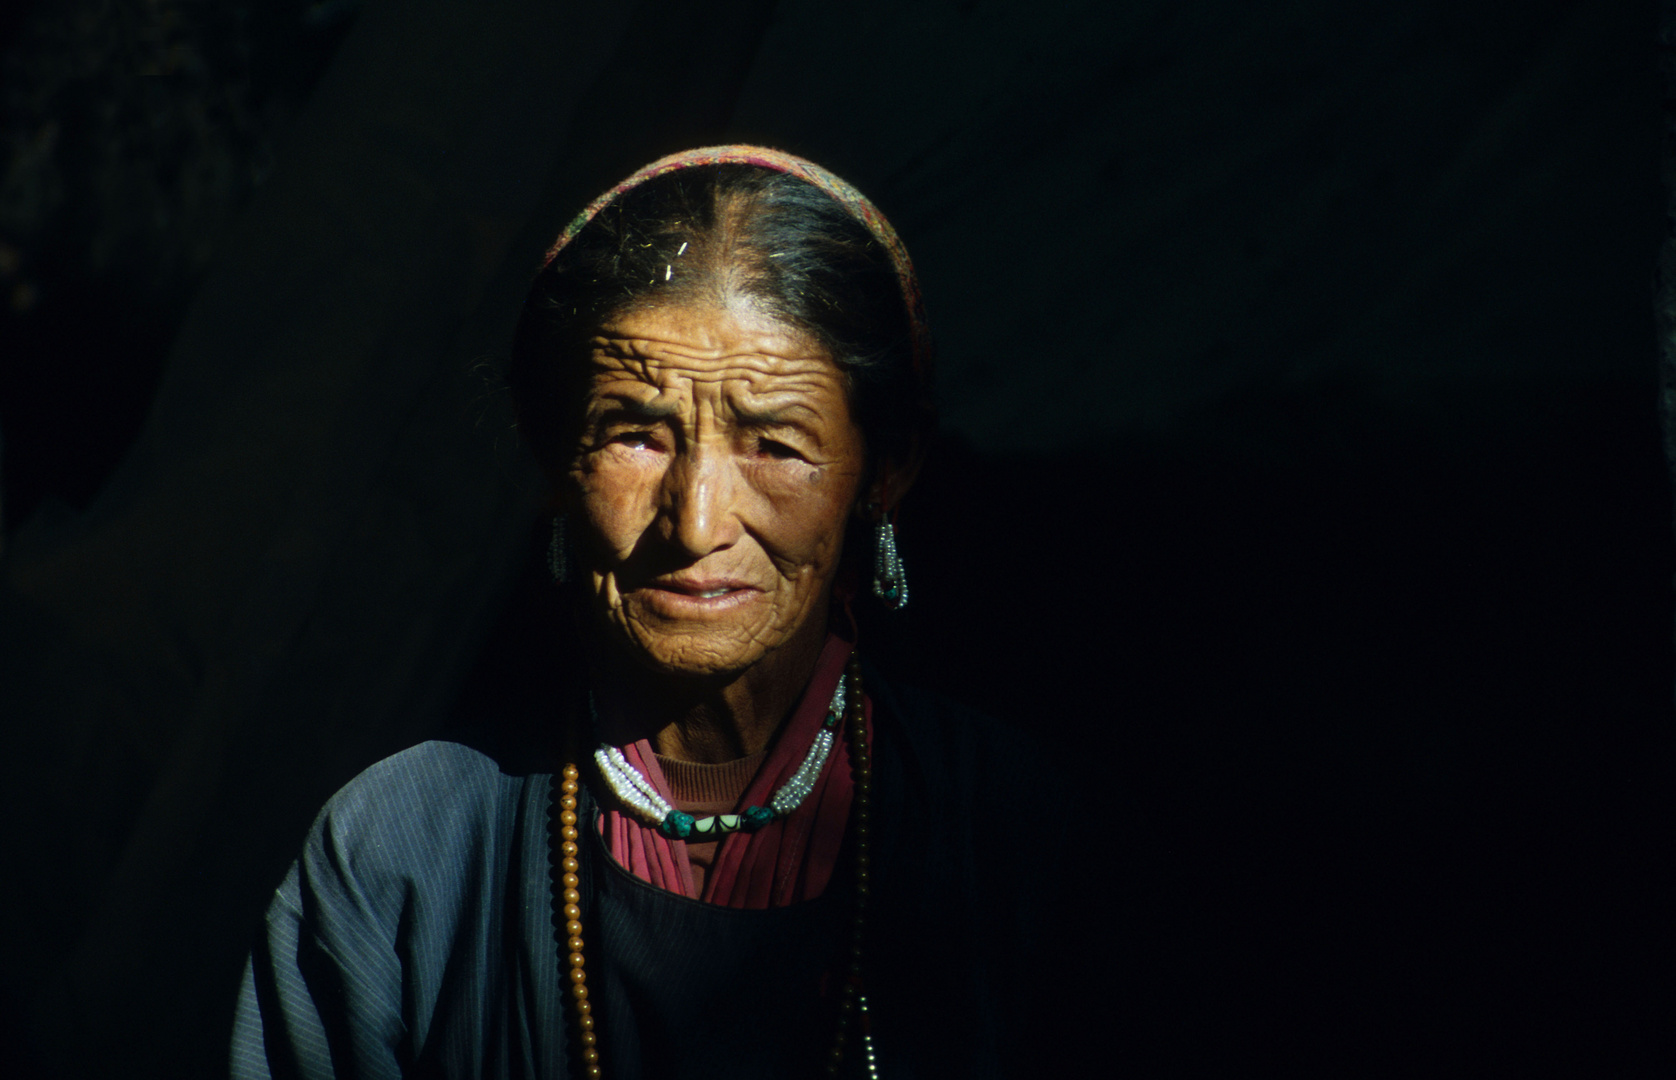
(414, 935)
(414, 938)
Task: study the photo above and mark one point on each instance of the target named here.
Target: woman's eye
(775, 449)
(639, 440)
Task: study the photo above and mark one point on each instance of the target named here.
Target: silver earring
(558, 551)
(890, 583)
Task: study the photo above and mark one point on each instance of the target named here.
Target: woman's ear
(891, 480)
(557, 499)
(561, 494)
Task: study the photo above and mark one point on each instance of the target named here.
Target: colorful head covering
(843, 193)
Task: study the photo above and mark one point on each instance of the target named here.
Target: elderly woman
(735, 849)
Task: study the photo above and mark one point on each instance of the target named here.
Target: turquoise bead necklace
(637, 793)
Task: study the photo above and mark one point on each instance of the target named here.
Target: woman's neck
(706, 721)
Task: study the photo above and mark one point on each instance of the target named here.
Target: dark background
(1301, 478)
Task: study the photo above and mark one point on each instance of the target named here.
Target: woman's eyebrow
(656, 408)
(792, 414)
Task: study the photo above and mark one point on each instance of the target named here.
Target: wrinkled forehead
(731, 347)
(748, 388)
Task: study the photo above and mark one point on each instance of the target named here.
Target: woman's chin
(696, 640)
(696, 656)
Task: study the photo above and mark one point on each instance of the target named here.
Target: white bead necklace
(637, 793)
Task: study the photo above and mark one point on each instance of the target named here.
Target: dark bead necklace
(852, 1003)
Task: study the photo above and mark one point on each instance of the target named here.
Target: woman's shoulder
(419, 807)
(431, 778)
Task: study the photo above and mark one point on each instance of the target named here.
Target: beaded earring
(890, 582)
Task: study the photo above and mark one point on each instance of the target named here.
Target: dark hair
(702, 234)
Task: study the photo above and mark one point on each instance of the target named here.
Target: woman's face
(717, 464)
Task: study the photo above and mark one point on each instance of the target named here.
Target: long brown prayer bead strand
(852, 1005)
(570, 853)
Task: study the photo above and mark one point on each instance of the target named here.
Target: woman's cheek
(617, 492)
(807, 530)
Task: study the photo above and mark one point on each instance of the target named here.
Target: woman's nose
(700, 492)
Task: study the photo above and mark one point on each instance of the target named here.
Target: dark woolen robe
(415, 934)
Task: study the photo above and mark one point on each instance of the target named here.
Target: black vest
(688, 989)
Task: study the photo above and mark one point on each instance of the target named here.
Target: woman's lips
(693, 596)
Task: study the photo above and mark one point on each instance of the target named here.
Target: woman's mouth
(685, 597)
(706, 588)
